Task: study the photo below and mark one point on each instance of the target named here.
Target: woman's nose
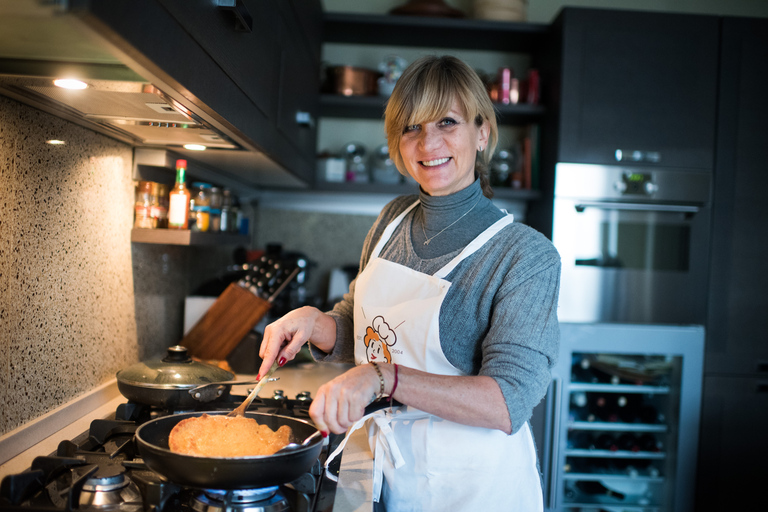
(430, 138)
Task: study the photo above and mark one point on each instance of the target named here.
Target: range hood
(128, 95)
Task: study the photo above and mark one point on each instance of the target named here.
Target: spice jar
(216, 200)
(201, 206)
(142, 207)
(159, 209)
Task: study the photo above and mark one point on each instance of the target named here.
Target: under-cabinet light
(69, 83)
(195, 147)
(55, 142)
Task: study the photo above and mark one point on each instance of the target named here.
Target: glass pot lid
(177, 370)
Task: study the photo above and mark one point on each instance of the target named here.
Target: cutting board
(225, 324)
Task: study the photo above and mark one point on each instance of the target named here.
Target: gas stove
(102, 470)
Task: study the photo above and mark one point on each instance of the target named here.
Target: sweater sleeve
(522, 343)
(343, 311)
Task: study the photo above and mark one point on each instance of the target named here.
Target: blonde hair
(426, 91)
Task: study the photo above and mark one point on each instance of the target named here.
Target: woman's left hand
(340, 402)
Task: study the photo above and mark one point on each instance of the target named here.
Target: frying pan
(227, 473)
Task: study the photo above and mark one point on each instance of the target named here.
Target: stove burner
(109, 486)
(266, 499)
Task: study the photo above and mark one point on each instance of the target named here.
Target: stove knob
(304, 396)
(278, 394)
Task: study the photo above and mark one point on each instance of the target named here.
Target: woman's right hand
(284, 338)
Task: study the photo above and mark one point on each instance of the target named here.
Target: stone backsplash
(78, 300)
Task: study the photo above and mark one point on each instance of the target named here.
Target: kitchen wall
(78, 301)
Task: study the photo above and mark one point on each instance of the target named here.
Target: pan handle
(213, 390)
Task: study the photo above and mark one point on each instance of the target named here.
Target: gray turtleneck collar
(436, 213)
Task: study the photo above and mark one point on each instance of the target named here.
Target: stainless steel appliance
(634, 243)
(622, 418)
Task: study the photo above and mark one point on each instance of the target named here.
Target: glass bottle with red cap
(178, 208)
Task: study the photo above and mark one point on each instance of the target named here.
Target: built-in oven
(634, 243)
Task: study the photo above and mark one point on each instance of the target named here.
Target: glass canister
(357, 169)
(201, 206)
(383, 168)
(226, 220)
(502, 167)
(216, 203)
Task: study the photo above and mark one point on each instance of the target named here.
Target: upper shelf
(372, 107)
(186, 237)
(419, 31)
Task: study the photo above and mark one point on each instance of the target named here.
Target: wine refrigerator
(621, 420)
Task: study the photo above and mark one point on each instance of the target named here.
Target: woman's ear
(483, 132)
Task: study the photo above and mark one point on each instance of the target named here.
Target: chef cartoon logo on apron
(379, 337)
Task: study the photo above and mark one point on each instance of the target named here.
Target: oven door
(632, 262)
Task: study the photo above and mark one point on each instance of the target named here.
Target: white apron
(422, 462)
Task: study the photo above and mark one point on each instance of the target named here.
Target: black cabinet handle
(243, 20)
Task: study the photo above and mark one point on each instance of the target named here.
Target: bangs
(436, 98)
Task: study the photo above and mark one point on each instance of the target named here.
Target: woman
(454, 314)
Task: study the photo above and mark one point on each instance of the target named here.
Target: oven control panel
(636, 183)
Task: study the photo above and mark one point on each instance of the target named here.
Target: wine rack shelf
(601, 477)
(587, 504)
(616, 427)
(620, 454)
(619, 388)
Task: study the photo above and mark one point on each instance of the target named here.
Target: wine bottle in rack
(581, 372)
(648, 442)
(580, 440)
(628, 442)
(596, 488)
(606, 441)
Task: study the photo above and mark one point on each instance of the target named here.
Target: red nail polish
(281, 362)
(324, 433)
(258, 377)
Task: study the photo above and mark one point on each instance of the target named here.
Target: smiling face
(440, 154)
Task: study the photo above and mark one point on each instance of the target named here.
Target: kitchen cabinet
(637, 87)
(416, 31)
(225, 66)
(733, 445)
(739, 275)
(270, 50)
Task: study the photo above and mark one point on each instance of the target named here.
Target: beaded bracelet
(381, 381)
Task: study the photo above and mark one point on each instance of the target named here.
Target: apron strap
(475, 244)
(386, 445)
(387, 234)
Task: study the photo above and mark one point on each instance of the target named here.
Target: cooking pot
(353, 81)
(175, 381)
(227, 473)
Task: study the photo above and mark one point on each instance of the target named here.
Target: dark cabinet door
(736, 330)
(641, 85)
(243, 40)
(733, 446)
(298, 99)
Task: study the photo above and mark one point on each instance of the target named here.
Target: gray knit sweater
(499, 317)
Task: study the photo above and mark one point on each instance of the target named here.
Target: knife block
(225, 324)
